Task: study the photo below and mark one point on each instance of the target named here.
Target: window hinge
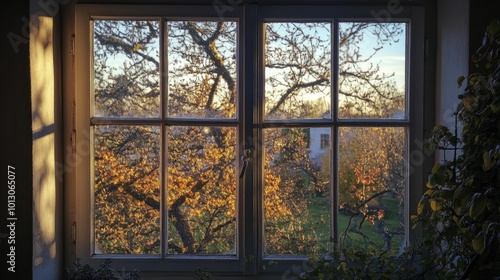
(72, 44)
(72, 140)
(73, 233)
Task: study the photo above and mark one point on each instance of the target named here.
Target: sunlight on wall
(43, 93)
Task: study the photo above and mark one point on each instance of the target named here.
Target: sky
(391, 57)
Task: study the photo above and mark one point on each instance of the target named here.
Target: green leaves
(491, 158)
(421, 204)
(364, 263)
(460, 209)
(441, 138)
(478, 205)
(460, 80)
(487, 161)
(493, 29)
(435, 205)
(478, 243)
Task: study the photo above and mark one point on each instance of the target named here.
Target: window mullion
(249, 55)
(164, 140)
(334, 191)
(334, 148)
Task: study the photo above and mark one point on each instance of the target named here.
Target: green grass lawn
(318, 220)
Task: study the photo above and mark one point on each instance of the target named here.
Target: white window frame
(250, 194)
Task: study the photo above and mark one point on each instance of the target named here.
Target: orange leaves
(201, 186)
(372, 171)
(126, 192)
(380, 214)
(370, 216)
(275, 208)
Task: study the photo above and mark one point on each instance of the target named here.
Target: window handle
(245, 159)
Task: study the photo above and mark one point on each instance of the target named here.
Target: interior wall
(452, 56)
(452, 51)
(68, 104)
(15, 156)
(46, 128)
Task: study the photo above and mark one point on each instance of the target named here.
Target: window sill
(226, 277)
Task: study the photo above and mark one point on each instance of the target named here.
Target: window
(325, 141)
(322, 100)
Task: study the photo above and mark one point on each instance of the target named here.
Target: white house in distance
(319, 143)
(320, 139)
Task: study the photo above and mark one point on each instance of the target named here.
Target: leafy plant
(461, 208)
(104, 272)
(200, 274)
(366, 263)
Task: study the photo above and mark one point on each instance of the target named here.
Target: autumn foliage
(182, 176)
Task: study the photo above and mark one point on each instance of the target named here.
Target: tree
(200, 161)
(291, 179)
(365, 90)
(372, 183)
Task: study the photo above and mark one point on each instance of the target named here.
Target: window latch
(245, 159)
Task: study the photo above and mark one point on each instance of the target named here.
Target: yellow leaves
(124, 224)
(478, 243)
(137, 47)
(138, 250)
(201, 171)
(275, 208)
(380, 214)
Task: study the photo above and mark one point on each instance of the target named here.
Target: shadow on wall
(47, 185)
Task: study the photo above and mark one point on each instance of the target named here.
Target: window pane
(127, 189)
(296, 191)
(297, 73)
(126, 69)
(372, 70)
(371, 186)
(202, 69)
(202, 190)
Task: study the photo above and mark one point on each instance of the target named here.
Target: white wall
(46, 129)
(315, 142)
(452, 56)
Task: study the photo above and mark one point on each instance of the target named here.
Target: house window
(324, 141)
(209, 133)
